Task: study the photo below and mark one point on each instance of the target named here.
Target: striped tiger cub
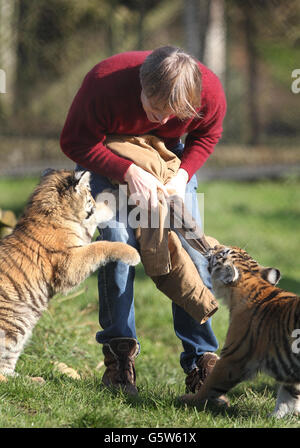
(50, 251)
(261, 333)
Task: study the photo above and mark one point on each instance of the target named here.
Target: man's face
(154, 112)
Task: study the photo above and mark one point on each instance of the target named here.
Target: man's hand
(177, 184)
(143, 186)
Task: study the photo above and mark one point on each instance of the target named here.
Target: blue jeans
(116, 295)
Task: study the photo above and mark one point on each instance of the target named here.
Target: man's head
(171, 85)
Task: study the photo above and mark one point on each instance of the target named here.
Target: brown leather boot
(119, 355)
(196, 377)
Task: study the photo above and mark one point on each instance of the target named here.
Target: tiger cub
(260, 335)
(50, 251)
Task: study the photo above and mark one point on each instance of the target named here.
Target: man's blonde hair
(173, 80)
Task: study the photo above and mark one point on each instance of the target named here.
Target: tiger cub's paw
(130, 256)
(192, 400)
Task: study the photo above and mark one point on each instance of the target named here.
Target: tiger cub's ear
(271, 275)
(83, 179)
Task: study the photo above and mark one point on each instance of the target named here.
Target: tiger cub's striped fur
(260, 335)
(50, 251)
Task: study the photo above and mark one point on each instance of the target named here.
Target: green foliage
(12, 196)
(263, 218)
(281, 59)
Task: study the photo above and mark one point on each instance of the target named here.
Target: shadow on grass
(241, 405)
(240, 399)
(144, 399)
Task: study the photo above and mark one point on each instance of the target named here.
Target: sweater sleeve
(202, 138)
(83, 135)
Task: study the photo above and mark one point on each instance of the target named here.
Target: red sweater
(108, 102)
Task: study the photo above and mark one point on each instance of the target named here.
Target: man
(165, 92)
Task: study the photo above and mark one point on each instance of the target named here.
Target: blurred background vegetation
(47, 47)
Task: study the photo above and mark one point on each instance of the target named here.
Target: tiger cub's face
(231, 267)
(66, 196)
(90, 212)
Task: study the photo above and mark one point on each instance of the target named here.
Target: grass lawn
(263, 218)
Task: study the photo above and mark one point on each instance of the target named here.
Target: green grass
(262, 217)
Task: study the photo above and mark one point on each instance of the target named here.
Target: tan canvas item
(162, 254)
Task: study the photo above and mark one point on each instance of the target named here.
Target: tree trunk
(8, 53)
(204, 22)
(215, 47)
(252, 72)
(191, 28)
(140, 28)
(196, 17)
